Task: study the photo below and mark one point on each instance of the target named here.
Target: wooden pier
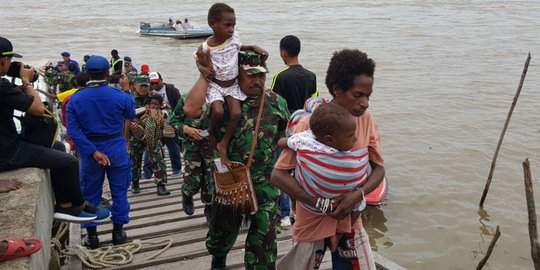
(156, 218)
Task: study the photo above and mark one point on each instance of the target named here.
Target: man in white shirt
(170, 95)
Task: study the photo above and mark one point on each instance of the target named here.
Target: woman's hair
(345, 66)
(215, 13)
(327, 119)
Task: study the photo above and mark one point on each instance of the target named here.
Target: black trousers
(64, 168)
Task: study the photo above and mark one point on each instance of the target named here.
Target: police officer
(96, 116)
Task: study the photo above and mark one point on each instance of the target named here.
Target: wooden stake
(533, 233)
(490, 249)
(494, 161)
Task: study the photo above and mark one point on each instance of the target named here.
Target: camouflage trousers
(155, 154)
(198, 157)
(261, 244)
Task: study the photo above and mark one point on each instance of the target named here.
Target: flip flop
(20, 248)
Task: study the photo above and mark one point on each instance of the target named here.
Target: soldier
(261, 245)
(137, 146)
(198, 154)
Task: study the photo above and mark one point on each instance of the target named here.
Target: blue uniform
(95, 117)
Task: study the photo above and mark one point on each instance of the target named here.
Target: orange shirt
(310, 227)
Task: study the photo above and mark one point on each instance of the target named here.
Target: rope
(108, 256)
(111, 256)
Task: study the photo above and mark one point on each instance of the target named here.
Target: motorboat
(180, 31)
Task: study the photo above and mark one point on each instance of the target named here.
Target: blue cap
(96, 64)
(65, 54)
(127, 58)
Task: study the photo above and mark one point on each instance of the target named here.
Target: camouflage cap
(132, 77)
(252, 62)
(143, 80)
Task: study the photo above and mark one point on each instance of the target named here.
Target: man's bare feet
(9, 185)
(222, 149)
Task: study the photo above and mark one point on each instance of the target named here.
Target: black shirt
(11, 99)
(295, 84)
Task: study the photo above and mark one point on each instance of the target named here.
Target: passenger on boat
(178, 26)
(350, 81)
(96, 117)
(221, 71)
(187, 25)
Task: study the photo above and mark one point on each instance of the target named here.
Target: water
(446, 74)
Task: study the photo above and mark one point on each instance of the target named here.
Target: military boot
(162, 190)
(119, 236)
(92, 240)
(135, 188)
(219, 263)
(187, 204)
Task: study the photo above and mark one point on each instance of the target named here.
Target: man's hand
(193, 133)
(26, 74)
(124, 82)
(101, 158)
(345, 203)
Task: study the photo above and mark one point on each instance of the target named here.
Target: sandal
(20, 248)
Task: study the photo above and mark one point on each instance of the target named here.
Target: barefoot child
(326, 167)
(217, 60)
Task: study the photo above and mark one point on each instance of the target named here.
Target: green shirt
(272, 127)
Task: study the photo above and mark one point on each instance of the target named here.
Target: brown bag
(235, 194)
(168, 131)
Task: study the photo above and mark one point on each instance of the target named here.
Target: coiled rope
(108, 256)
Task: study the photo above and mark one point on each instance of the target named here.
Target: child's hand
(151, 111)
(204, 63)
(193, 133)
(261, 51)
(133, 125)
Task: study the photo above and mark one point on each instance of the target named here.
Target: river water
(446, 75)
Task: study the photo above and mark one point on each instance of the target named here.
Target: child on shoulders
(217, 60)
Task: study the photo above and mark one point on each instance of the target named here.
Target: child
(148, 132)
(326, 167)
(217, 60)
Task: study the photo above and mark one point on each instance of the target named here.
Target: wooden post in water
(516, 96)
(533, 233)
(490, 249)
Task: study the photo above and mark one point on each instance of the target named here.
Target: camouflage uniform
(198, 155)
(64, 80)
(137, 148)
(261, 244)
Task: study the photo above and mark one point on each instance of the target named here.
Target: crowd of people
(119, 119)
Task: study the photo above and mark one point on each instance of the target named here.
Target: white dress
(225, 62)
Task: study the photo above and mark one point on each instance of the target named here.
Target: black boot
(187, 204)
(219, 263)
(119, 236)
(135, 188)
(162, 190)
(92, 240)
